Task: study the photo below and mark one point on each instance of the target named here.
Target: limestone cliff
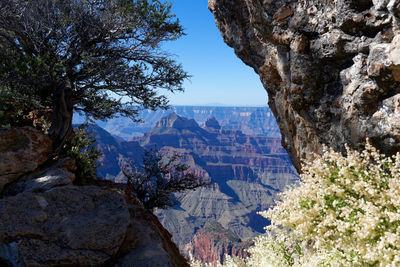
(331, 68)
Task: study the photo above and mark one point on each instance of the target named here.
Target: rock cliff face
(213, 242)
(331, 68)
(45, 220)
(114, 151)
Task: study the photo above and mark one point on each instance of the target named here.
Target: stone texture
(331, 68)
(22, 150)
(59, 174)
(147, 243)
(63, 226)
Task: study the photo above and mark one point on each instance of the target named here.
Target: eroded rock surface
(64, 226)
(60, 173)
(212, 243)
(147, 243)
(22, 150)
(83, 226)
(331, 68)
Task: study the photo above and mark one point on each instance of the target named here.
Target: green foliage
(109, 51)
(158, 177)
(12, 106)
(81, 147)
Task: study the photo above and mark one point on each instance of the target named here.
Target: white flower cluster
(345, 212)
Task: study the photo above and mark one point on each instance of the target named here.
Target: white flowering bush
(344, 212)
(348, 207)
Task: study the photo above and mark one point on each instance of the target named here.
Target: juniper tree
(102, 58)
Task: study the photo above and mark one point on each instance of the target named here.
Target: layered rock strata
(247, 171)
(331, 68)
(213, 242)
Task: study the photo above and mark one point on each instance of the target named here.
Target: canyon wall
(247, 171)
(213, 242)
(331, 68)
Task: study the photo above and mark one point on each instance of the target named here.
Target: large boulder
(66, 226)
(147, 242)
(22, 150)
(331, 68)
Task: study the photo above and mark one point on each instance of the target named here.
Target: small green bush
(80, 146)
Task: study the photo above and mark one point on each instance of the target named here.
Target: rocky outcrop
(64, 226)
(213, 242)
(82, 226)
(147, 243)
(60, 173)
(212, 124)
(22, 150)
(47, 221)
(331, 68)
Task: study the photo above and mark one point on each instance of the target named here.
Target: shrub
(345, 212)
(156, 180)
(12, 107)
(81, 147)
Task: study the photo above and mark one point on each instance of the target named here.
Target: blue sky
(218, 76)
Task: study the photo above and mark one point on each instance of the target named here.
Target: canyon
(249, 120)
(332, 73)
(247, 173)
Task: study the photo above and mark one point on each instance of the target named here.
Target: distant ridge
(249, 120)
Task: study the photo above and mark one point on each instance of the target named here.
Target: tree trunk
(61, 121)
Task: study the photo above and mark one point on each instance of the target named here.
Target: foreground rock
(47, 221)
(64, 226)
(331, 68)
(82, 226)
(22, 150)
(59, 174)
(147, 243)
